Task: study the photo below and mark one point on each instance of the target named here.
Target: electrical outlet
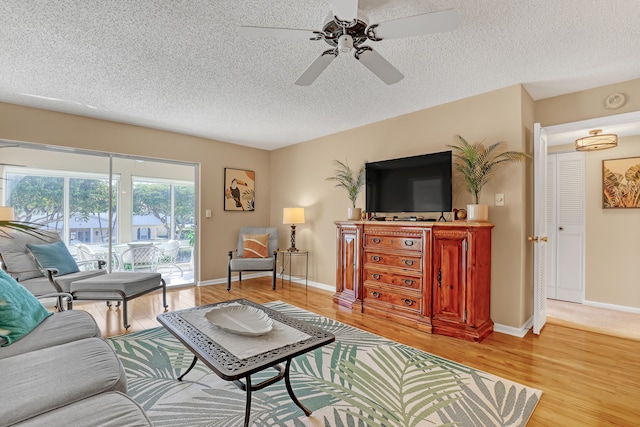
(499, 199)
(207, 213)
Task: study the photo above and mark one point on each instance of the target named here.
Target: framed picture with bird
(239, 189)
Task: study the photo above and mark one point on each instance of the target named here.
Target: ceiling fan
(346, 30)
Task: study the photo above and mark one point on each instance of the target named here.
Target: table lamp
(293, 216)
(6, 213)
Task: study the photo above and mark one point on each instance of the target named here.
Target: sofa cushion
(111, 409)
(59, 328)
(40, 381)
(20, 311)
(54, 255)
(15, 255)
(256, 245)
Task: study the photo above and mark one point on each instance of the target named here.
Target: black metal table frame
(290, 255)
(230, 368)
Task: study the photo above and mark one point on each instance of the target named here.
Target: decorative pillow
(20, 311)
(54, 255)
(256, 245)
(16, 256)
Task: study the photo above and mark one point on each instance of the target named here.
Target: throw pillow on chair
(256, 245)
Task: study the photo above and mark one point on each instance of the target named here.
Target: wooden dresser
(434, 276)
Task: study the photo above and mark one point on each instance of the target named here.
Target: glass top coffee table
(235, 357)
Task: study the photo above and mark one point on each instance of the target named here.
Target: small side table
(284, 255)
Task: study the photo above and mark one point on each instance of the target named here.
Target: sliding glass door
(103, 204)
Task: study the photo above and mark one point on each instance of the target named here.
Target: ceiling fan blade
(417, 25)
(345, 10)
(291, 33)
(378, 65)
(316, 68)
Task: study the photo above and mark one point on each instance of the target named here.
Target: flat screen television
(410, 184)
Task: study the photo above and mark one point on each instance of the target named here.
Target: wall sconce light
(596, 141)
(293, 216)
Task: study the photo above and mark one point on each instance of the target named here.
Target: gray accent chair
(240, 264)
(91, 285)
(19, 264)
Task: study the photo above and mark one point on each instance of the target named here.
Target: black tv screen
(410, 184)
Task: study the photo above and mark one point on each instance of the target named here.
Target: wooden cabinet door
(449, 277)
(347, 263)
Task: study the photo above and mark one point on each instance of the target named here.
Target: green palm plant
(18, 226)
(478, 164)
(348, 179)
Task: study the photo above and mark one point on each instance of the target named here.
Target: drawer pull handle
(375, 294)
(375, 258)
(408, 282)
(408, 242)
(408, 262)
(376, 240)
(408, 301)
(375, 276)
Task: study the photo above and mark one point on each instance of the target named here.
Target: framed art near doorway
(239, 189)
(621, 183)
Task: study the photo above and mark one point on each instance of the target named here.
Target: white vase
(479, 213)
(354, 214)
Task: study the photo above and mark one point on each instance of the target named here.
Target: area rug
(359, 380)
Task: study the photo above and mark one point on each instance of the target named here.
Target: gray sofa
(63, 373)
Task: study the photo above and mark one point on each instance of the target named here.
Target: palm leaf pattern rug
(359, 380)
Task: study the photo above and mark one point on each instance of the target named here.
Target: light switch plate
(207, 213)
(499, 200)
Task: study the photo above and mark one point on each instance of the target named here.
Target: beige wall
(295, 176)
(299, 172)
(612, 235)
(217, 234)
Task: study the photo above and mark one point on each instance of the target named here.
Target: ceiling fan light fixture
(345, 43)
(596, 141)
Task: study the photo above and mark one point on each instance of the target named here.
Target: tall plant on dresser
(352, 181)
(477, 164)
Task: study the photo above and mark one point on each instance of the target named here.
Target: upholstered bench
(119, 286)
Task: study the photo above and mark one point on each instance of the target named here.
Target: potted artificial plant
(352, 181)
(477, 164)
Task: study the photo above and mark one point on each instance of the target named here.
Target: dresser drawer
(383, 296)
(393, 242)
(407, 262)
(403, 281)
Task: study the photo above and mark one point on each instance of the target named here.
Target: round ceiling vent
(614, 101)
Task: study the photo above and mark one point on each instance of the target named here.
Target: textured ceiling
(182, 66)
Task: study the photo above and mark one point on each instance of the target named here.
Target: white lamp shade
(293, 216)
(6, 213)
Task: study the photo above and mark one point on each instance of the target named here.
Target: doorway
(566, 226)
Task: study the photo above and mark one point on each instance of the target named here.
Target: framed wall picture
(239, 189)
(621, 183)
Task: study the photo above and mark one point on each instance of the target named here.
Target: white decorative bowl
(240, 319)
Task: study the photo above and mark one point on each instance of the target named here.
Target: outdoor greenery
(351, 181)
(478, 164)
(155, 199)
(40, 199)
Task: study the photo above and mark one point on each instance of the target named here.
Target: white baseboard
(624, 308)
(295, 280)
(516, 332)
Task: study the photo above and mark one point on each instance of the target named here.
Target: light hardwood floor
(587, 378)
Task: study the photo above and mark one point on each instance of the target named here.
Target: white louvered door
(568, 233)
